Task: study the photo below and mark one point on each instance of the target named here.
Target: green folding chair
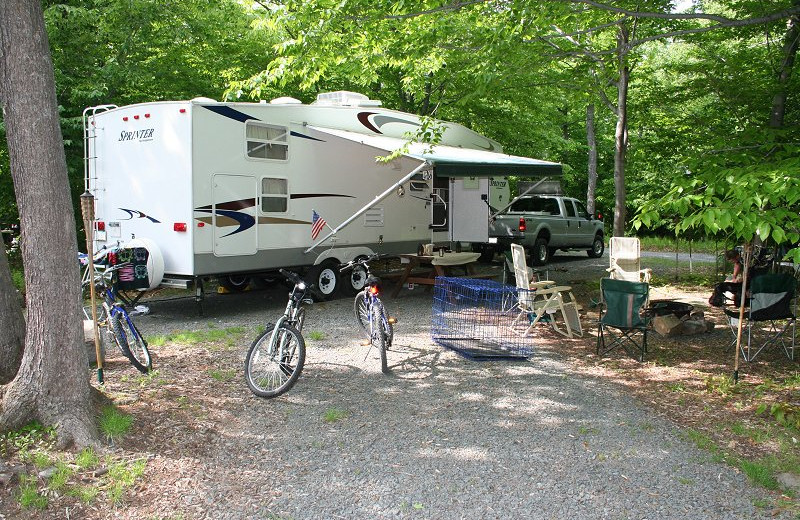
(622, 321)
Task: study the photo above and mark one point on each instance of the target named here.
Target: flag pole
(374, 201)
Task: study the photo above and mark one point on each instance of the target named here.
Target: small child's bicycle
(276, 357)
(369, 310)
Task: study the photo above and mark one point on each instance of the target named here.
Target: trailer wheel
(540, 253)
(326, 278)
(234, 282)
(355, 279)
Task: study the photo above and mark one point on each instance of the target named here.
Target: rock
(691, 327)
(789, 481)
(709, 326)
(698, 315)
(47, 472)
(667, 325)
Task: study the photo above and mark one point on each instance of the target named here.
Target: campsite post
(87, 210)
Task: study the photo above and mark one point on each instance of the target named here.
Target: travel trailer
(230, 190)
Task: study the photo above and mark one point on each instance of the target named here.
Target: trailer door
(234, 210)
(469, 210)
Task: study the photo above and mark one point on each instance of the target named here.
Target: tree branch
(688, 16)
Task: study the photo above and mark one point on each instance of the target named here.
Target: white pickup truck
(544, 224)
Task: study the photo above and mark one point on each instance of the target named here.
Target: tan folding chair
(543, 301)
(625, 261)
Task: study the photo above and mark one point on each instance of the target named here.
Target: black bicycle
(368, 308)
(276, 357)
(113, 316)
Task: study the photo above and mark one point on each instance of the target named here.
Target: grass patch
(222, 375)
(215, 338)
(83, 475)
(333, 415)
(25, 439)
(669, 244)
(114, 423)
(316, 335)
(29, 495)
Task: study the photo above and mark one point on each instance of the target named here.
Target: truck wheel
(598, 247)
(234, 282)
(326, 278)
(487, 254)
(540, 253)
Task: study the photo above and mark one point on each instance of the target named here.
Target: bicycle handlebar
(360, 260)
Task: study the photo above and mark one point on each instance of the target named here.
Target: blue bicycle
(368, 308)
(113, 316)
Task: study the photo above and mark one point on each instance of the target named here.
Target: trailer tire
(326, 278)
(540, 253)
(598, 247)
(234, 282)
(355, 279)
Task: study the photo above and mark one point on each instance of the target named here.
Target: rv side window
(267, 141)
(274, 195)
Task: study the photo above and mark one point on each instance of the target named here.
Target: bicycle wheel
(271, 370)
(388, 330)
(378, 333)
(131, 342)
(361, 310)
(300, 319)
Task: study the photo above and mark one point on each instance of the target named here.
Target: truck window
(582, 213)
(569, 208)
(274, 195)
(551, 206)
(267, 141)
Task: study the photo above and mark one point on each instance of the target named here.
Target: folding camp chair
(625, 259)
(543, 301)
(773, 303)
(623, 301)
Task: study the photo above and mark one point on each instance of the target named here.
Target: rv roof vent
(285, 100)
(204, 100)
(346, 99)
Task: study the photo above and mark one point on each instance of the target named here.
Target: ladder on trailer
(89, 148)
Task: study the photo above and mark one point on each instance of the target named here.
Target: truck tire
(598, 247)
(487, 254)
(540, 253)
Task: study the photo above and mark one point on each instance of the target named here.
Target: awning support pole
(376, 200)
(515, 199)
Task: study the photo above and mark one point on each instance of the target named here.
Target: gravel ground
(441, 437)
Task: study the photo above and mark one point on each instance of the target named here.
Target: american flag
(317, 224)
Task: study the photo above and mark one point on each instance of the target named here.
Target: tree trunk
(12, 323)
(591, 141)
(52, 385)
(790, 44)
(621, 133)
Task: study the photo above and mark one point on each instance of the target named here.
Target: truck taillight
(522, 225)
(599, 216)
(100, 225)
(179, 226)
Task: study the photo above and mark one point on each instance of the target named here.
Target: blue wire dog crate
(473, 317)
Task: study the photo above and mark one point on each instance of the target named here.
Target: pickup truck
(544, 224)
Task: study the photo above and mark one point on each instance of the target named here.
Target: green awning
(451, 161)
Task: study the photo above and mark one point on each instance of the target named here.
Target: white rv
(228, 189)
